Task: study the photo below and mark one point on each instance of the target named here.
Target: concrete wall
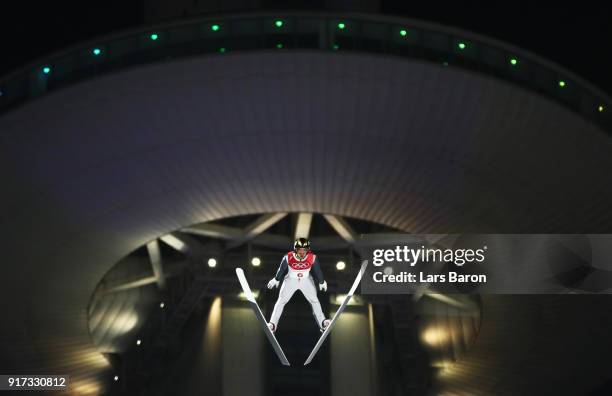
(242, 353)
(352, 371)
(197, 369)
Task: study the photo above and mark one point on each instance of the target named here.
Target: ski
(338, 312)
(251, 299)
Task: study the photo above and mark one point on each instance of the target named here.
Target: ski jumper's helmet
(301, 243)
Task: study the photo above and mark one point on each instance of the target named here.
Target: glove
(323, 286)
(273, 283)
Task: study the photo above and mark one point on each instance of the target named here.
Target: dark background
(578, 35)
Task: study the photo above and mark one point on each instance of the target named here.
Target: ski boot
(324, 325)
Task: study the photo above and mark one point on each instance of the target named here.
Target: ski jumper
(297, 275)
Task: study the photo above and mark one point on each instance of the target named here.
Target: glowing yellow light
(447, 368)
(443, 364)
(214, 315)
(124, 323)
(86, 388)
(434, 336)
(355, 300)
(243, 296)
(89, 357)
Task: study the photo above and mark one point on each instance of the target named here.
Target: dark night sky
(577, 35)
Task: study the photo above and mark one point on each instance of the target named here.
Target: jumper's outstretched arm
(317, 274)
(282, 269)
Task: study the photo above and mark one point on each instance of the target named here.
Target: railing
(444, 47)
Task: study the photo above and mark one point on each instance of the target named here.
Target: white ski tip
(245, 285)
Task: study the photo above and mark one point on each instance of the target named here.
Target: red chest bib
(300, 265)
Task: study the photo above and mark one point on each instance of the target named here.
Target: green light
(461, 46)
(562, 83)
(278, 23)
(96, 51)
(513, 62)
(445, 64)
(335, 47)
(279, 46)
(341, 25)
(46, 70)
(403, 32)
(222, 49)
(215, 28)
(600, 108)
(154, 37)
